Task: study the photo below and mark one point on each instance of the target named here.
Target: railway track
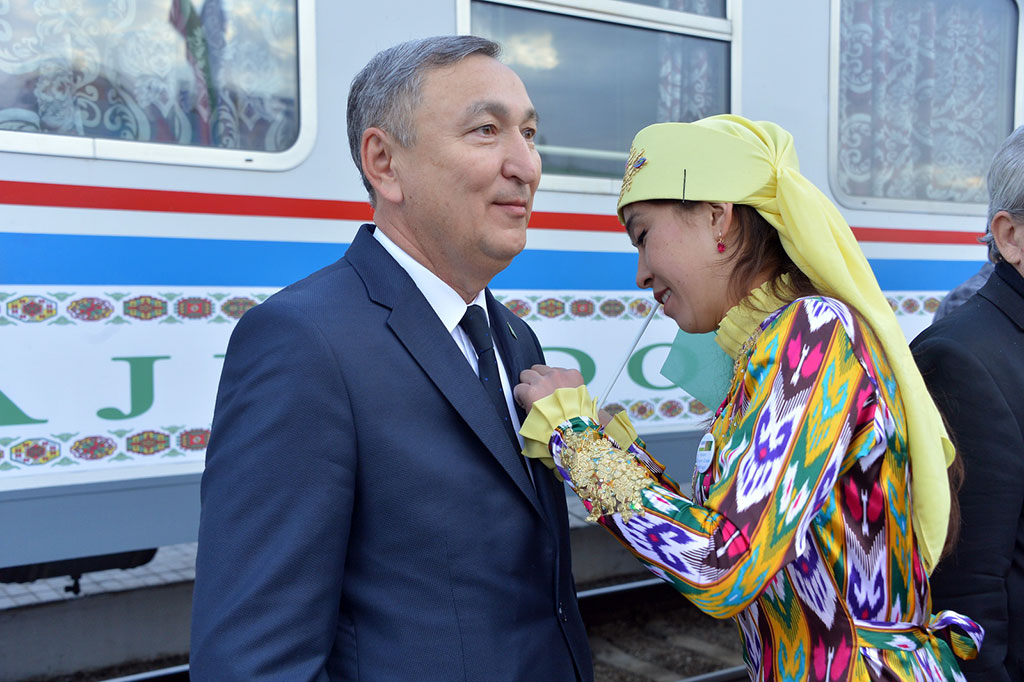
(644, 631)
(640, 631)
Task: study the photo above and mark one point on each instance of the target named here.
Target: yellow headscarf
(731, 159)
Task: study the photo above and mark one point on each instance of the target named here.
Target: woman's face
(678, 259)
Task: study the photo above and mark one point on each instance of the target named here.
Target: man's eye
(640, 239)
(488, 129)
(529, 133)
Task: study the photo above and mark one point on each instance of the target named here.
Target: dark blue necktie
(474, 323)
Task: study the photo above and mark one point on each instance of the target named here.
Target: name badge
(705, 452)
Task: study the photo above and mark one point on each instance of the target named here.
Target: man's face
(469, 179)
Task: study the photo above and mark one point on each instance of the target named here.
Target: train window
(141, 80)
(599, 74)
(922, 95)
(707, 8)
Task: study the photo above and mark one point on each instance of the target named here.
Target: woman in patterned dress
(819, 502)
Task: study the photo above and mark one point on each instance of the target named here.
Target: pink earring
(721, 244)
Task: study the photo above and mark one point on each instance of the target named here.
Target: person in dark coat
(973, 363)
(366, 512)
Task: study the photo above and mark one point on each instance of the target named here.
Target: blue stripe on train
(29, 259)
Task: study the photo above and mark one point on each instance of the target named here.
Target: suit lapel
(511, 350)
(418, 328)
(508, 346)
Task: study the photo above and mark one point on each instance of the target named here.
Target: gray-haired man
(366, 512)
(973, 363)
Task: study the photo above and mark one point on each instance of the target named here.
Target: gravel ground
(655, 634)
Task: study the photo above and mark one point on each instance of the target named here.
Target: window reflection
(595, 84)
(707, 8)
(925, 96)
(219, 73)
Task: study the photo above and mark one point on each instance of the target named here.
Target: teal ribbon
(699, 366)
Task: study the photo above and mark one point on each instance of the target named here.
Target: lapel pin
(511, 330)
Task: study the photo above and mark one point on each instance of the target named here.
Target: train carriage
(167, 165)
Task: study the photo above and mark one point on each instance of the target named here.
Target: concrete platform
(121, 615)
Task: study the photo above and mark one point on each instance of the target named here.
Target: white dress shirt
(450, 308)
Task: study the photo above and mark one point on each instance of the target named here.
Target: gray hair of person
(385, 93)
(1005, 186)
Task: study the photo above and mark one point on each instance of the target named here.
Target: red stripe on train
(166, 201)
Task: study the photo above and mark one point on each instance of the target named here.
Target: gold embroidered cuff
(612, 480)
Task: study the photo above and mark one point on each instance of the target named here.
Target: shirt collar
(445, 301)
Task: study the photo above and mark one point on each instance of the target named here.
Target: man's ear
(1009, 237)
(721, 218)
(377, 151)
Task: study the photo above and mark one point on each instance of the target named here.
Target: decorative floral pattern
(641, 409)
(148, 442)
(90, 309)
(194, 308)
(519, 307)
(238, 306)
(93, 447)
(145, 307)
(582, 307)
(100, 449)
(69, 309)
(612, 307)
(551, 307)
(194, 439)
(640, 307)
(32, 308)
(670, 409)
(35, 451)
(578, 308)
(910, 305)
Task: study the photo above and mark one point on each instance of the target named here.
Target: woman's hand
(541, 381)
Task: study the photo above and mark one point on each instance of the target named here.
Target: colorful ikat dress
(800, 525)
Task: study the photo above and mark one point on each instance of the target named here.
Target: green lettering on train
(11, 414)
(587, 366)
(140, 382)
(636, 368)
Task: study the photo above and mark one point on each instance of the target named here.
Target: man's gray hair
(385, 93)
(1005, 185)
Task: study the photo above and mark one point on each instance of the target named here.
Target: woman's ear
(721, 218)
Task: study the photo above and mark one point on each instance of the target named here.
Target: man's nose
(522, 162)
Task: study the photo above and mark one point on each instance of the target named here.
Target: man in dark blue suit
(366, 512)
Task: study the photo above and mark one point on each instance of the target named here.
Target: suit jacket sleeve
(277, 497)
(972, 580)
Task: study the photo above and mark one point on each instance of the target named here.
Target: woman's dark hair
(955, 472)
(756, 249)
